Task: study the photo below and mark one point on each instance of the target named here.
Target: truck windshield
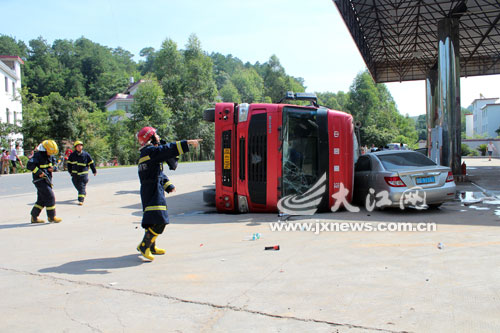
(300, 150)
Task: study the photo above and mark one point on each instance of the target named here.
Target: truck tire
(209, 115)
(209, 197)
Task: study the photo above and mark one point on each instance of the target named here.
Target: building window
(6, 84)
(15, 117)
(8, 115)
(13, 89)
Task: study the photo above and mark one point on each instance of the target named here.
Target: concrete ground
(84, 274)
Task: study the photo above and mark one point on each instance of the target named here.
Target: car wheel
(435, 206)
(209, 115)
(209, 197)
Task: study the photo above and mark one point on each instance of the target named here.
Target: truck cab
(264, 152)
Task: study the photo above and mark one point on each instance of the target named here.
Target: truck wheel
(209, 115)
(209, 197)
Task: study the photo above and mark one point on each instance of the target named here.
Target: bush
(473, 153)
(482, 148)
(24, 160)
(465, 149)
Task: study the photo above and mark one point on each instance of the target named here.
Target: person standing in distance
(490, 149)
(152, 178)
(41, 168)
(79, 162)
(14, 158)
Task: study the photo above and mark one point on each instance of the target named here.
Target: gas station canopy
(398, 39)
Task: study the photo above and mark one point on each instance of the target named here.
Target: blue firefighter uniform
(154, 182)
(40, 164)
(78, 168)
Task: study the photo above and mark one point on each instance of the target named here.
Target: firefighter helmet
(77, 142)
(50, 147)
(145, 135)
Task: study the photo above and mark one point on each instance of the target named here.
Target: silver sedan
(401, 179)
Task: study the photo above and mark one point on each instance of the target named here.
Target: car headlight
(242, 204)
(243, 112)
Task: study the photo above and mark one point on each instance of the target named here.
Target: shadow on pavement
(95, 266)
(72, 202)
(21, 225)
(127, 192)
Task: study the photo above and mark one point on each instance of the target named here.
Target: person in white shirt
(14, 158)
(490, 149)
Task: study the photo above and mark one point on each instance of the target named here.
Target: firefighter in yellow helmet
(78, 167)
(41, 167)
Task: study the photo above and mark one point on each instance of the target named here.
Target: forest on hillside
(66, 84)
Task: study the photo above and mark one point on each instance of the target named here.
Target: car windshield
(404, 160)
(300, 150)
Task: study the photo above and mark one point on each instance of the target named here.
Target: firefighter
(154, 183)
(41, 167)
(79, 162)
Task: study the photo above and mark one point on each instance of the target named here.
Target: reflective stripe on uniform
(72, 162)
(179, 147)
(150, 208)
(167, 184)
(38, 206)
(51, 208)
(83, 173)
(81, 164)
(74, 171)
(151, 231)
(91, 162)
(144, 159)
(81, 195)
(43, 166)
(35, 170)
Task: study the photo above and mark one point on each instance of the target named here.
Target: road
(12, 185)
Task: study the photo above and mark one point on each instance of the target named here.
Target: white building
(469, 125)
(485, 117)
(124, 101)
(11, 107)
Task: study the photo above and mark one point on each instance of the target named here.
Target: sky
(309, 37)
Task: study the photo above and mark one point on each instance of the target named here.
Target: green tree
(229, 93)
(275, 81)
(121, 140)
(146, 66)
(62, 125)
(198, 89)
(10, 46)
(374, 107)
(149, 109)
(44, 73)
(328, 99)
(36, 123)
(249, 84)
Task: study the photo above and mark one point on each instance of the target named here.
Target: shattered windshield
(300, 150)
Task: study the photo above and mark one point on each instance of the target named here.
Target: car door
(362, 175)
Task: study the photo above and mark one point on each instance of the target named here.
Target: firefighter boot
(51, 214)
(154, 249)
(34, 214)
(36, 220)
(144, 246)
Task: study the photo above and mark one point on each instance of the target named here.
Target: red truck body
(264, 152)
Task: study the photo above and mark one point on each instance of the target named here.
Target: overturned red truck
(265, 152)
